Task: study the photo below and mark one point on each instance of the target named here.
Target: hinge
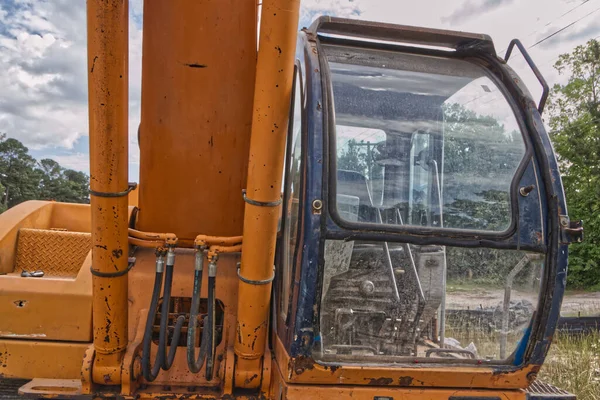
(570, 231)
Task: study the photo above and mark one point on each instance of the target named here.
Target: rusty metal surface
(404, 34)
(304, 370)
(198, 68)
(274, 78)
(52, 388)
(383, 388)
(107, 55)
(28, 359)
(141, 278)
(57, 253)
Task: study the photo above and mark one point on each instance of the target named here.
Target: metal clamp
(253, 282)
(131, 261)
(260, 203)
(131, 186)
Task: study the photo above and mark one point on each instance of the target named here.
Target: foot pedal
(51, 388)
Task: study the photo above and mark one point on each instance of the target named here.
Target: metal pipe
(170, 238)
(272, 93)
(412, 261)
(148, 244)
(506, 304)
(107, 51)
(204, 240)
(444, 265)
(388, 262)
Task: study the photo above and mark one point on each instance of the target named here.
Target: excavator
(306, 201)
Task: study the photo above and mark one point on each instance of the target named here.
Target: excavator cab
(409, 153)
(383, 161)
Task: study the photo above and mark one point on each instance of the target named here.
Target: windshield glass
(395, 302)
(426, 142)
(421, 141)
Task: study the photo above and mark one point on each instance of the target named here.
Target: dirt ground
(586, 303)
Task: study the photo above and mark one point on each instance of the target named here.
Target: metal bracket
(131, 186)
(534, 68)
(570, 231)
(253, 282)
(131, 261)
(260, 203)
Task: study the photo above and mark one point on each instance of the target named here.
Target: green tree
(22, 178)
(2, 191)
(65, 185)
(18, 174)
(575, 132)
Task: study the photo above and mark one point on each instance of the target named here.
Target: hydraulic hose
(162, 360)
(150, 372)
(207, 341)
(167, 359)
(210, 326)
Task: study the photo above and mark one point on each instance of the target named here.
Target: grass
(573, 364)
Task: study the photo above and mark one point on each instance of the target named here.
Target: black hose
(210, 327)
(195, 364)
(151, 372)
(167, 359)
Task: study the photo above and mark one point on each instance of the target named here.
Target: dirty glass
(385, 303)
(422, 141)
(291, 209)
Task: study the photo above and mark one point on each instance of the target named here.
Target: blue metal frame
(535, 226)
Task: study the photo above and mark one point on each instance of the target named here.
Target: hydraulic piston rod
(274, 77)
(107, 31)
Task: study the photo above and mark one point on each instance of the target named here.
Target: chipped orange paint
(306, 371)
(108, 55)
(274, 77)
(280, 389)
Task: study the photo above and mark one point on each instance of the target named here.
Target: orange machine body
(212, 137)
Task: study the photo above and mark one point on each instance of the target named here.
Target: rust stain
(380, 381)
(405, 381)
(195, 65)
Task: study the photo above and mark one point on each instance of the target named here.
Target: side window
(292, 195)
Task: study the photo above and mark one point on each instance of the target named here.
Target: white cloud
(43, 60)
(76, 161)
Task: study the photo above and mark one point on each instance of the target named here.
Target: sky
(43, 62)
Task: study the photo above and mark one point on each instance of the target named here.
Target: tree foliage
(575, 132)
(23, 178)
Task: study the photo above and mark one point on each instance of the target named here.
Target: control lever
(32, 274)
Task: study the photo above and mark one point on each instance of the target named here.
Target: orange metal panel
(72, 217)
(47, 308)
(30, 359)
(38, 215)
(31, 214)
(306, 371)
(141, 278)
(198, 68)
(282, 390)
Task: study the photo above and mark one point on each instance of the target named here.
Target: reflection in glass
(427, 142)
(490, 298)
(408, 125)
